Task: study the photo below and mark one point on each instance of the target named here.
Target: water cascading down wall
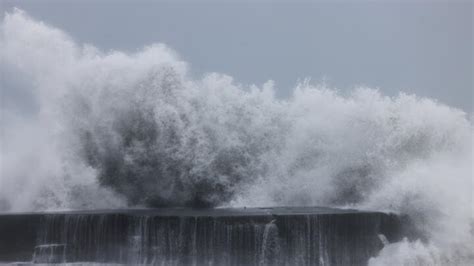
(253, 236)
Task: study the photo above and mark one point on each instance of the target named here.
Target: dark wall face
(310, 236)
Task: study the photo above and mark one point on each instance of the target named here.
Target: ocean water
(111, 129)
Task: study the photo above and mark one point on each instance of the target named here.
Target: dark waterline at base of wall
(252, 236)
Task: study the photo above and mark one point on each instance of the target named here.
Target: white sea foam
(114, 129)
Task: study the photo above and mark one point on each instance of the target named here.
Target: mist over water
(114, 129)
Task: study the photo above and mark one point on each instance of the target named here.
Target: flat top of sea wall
(212, 212)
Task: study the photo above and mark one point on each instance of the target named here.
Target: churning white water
(114, 129)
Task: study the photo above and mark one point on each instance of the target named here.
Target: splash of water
(111, 129)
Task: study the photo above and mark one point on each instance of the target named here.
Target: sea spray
(114, 129)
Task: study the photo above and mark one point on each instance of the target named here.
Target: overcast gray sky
(424, 48)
